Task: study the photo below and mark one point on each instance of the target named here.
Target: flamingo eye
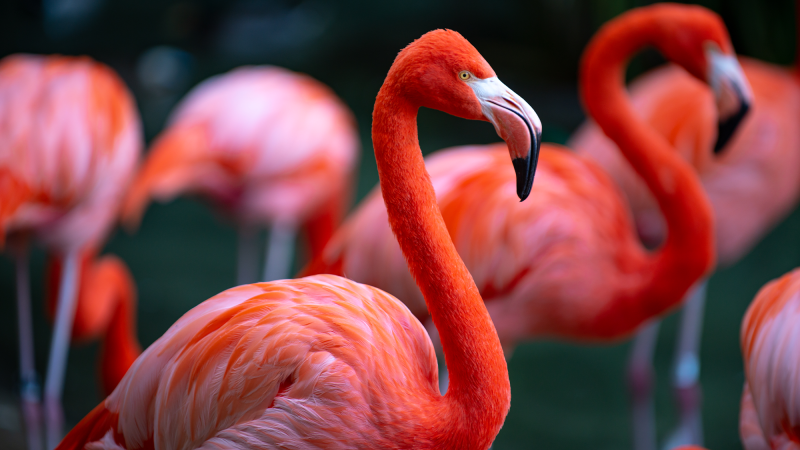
(464, 75)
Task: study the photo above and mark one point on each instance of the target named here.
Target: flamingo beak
(515, 122)
(731, 91)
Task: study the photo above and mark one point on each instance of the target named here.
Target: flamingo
(70, 138)
(325, 362)
(267, 146)
(105, 310)
(770, 411)
(568, 264)
(753, 182)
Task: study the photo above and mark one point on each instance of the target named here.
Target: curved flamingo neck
(688, 251)
(478, 397)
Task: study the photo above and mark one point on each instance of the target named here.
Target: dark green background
(563, 396)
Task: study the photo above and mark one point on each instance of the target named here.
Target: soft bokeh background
(563, 396)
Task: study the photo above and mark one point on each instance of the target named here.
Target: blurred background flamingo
(770, 410)
(270, 148)
(70, 139)
(752, 178)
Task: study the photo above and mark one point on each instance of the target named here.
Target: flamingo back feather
(289, 363)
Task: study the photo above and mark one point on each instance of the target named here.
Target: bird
(70, 140)
(568, 263)
(752, 177)
(267, 146)
(770, 407)
(105, 310)
(326, 362)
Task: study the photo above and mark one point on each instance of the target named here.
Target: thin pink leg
(30, 388)
(280, 250)
(59, 348)
(641, 382)
(686, 372)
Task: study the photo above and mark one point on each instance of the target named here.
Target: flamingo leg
(30, 388)
(280, 249)
(65, 314)
(444, 376)
(641, 381)
(686, 371)
(247, 255)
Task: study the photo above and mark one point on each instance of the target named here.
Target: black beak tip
(525, 168)
(728, 127)
(524, 179)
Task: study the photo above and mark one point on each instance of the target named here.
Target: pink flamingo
(751, 178)
(105, 310)
(70, 139)
(770, 412)
(325, 362)
(267, 146)
(568, 263)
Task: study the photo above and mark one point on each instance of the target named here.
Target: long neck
(688, 251)
(120, 348)
(478, 396)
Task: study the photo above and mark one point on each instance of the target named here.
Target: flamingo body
(70, 137)
(274, 363)
(559, 264)
(770, 410)
(264, 144)
(752, 185)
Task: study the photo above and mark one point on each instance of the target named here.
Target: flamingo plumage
(105, 311)
(770, 408)
(325, 362)
(753, 183)
(70, 139)
(572, 264)
(268, 147)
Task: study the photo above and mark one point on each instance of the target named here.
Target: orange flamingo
(267, 146)
(70, 138)
(568, 263)
(770, 412)
(752, 182)
(325, 362)
(106, 310)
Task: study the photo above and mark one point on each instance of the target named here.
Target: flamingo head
(700, 43)
(443, 71)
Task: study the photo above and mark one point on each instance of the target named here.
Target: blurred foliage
(564, 396)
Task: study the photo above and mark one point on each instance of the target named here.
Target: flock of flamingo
(688, 168)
